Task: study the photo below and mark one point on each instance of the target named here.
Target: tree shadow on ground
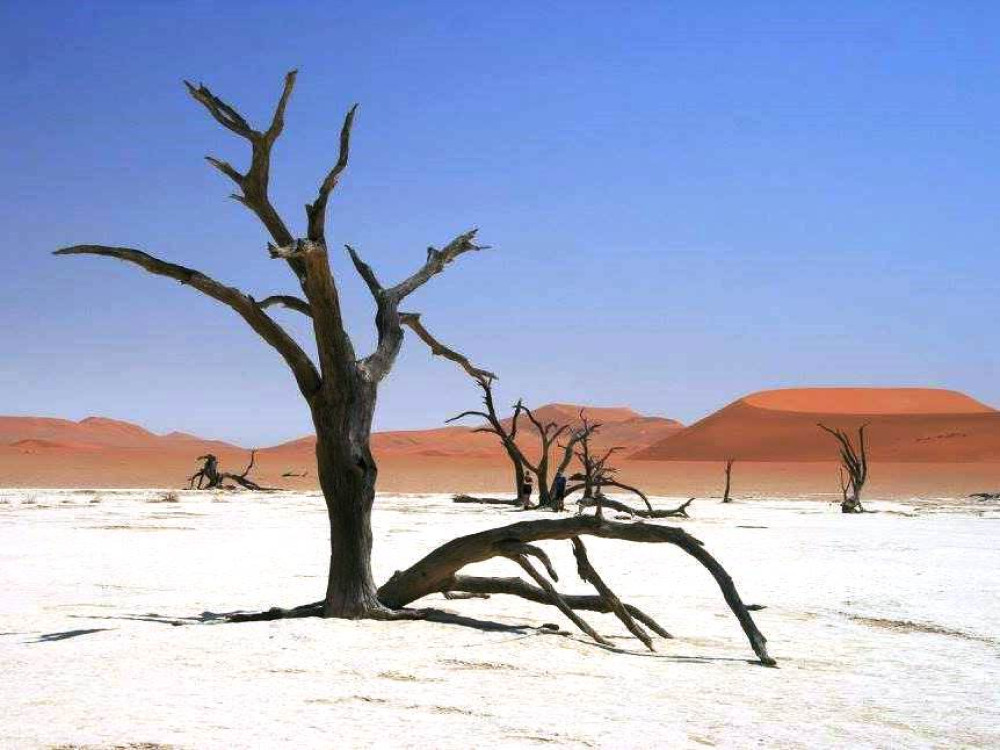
(65, 634)
(428, 615)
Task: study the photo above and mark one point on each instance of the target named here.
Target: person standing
(558, 491)
(526, 489)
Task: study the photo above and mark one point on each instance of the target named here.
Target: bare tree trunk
(347, 473)
(729, 480)
(851, 503)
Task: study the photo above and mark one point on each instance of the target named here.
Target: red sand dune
(95, 432)
(905, 425)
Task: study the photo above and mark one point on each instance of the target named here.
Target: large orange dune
(904, 425)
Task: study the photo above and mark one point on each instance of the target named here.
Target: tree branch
(589, 574)
(287, 301)
(302, 367)
(316, 211)
(253, 184)
(436, 262)
(413, 322)
(519, 587)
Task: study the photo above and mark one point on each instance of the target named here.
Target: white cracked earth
(886, 628)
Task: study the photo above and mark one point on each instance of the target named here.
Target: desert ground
(885, 627)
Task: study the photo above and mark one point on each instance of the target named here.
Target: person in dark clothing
(526, 488)
(558, 490)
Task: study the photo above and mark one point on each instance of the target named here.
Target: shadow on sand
(65, 634)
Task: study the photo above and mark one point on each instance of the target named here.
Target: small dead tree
(213, 479)
(507, 436)
(597, 474)
(548, 434)
(341, 393)
(854, 467)
(729, 480)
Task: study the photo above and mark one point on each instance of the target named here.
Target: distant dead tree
(854, 467)
(729, 479)
(548, 436)
(507, 436)
(213, 479)
(341, 393)
(597, 474)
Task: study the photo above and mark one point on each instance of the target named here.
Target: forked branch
(254, 183)
(316, 211)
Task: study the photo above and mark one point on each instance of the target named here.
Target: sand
(885, 627)
(912, 425)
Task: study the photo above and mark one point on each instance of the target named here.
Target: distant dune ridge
(906, 425)
(92, 432)
(922, 440)
(620, 426)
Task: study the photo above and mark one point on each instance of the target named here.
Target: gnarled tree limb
(591, 576)
(415, 324)
(254, 183)
(288, 301)
(316, 211)
(517, 587)
(436, 262)
(298, 361)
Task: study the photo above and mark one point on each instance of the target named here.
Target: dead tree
(548, 434)
(854, 467)
(208, 473)
(341, 394)
(597, 473)
(729, 480)
(214, 479)
(507, 436)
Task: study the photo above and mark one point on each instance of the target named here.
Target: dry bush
(165, 497)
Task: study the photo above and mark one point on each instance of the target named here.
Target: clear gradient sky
(689, 201)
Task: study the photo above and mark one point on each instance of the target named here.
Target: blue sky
(688, 201)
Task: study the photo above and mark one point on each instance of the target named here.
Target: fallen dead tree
(213, 479)
(485, 500)
(986, 496)
(606, 502)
